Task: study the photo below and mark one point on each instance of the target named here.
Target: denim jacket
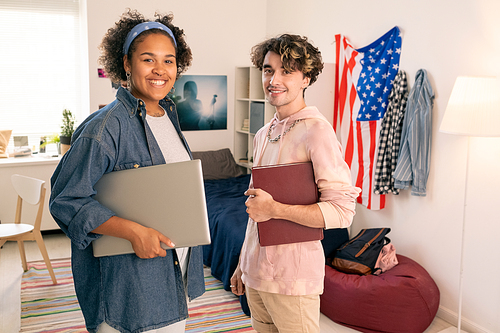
(129, 293)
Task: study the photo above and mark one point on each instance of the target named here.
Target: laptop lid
(168, 197)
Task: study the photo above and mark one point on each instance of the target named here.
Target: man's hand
(260, 205)
(237, 286)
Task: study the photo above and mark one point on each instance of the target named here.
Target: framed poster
(201, 102)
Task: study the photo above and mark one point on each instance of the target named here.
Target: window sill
(38, 159)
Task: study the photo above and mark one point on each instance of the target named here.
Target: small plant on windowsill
(52, 139)
(68, 126)
(67, 129)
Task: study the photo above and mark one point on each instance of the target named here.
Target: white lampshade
(473, 108)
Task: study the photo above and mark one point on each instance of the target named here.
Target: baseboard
(467, 325)
(451, 330)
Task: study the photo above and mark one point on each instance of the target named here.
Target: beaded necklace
(276, 139)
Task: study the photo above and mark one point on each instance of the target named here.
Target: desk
(36, 166)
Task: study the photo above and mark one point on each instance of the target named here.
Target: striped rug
(217, 310)
(54, 309)
(46, 307)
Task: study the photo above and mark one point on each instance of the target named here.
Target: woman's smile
(153, 69)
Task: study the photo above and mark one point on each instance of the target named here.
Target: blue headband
(140, 28)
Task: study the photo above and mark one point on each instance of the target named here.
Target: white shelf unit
(248, 95)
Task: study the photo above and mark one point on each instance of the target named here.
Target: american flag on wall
(363, 82)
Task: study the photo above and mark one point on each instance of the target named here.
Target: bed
(225, 185)
(228, 221)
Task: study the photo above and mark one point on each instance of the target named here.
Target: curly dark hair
(112, 44)
(296, 54)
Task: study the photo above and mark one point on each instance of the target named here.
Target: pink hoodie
(298, 269)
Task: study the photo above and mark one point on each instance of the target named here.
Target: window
(43, 58)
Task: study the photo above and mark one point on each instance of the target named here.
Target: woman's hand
(147, 243)
(237, 286)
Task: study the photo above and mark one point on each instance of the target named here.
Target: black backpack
(360, 254)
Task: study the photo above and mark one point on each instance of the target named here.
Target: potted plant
(67, 129)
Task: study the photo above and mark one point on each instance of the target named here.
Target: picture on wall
(201, 102)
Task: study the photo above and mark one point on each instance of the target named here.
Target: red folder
(291, 184)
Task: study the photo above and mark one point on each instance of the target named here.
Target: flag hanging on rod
(363, 82)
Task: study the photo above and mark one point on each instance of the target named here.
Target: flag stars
(379, 65)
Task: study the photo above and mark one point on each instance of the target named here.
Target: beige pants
(283, 313)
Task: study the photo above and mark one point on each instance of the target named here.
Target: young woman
(144, 291)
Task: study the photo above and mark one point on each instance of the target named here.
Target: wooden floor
(58, 246)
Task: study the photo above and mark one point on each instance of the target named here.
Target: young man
(283, 282)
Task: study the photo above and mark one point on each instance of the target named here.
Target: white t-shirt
(173, 150)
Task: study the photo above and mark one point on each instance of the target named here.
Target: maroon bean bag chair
(404, 299)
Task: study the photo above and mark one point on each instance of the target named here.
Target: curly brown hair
(112, 44)
(296, 54)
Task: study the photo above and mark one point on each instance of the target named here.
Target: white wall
(220, 34)
(447, 38)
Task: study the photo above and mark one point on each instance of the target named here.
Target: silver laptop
(168, 197)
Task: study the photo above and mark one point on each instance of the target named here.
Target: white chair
(32, 191)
